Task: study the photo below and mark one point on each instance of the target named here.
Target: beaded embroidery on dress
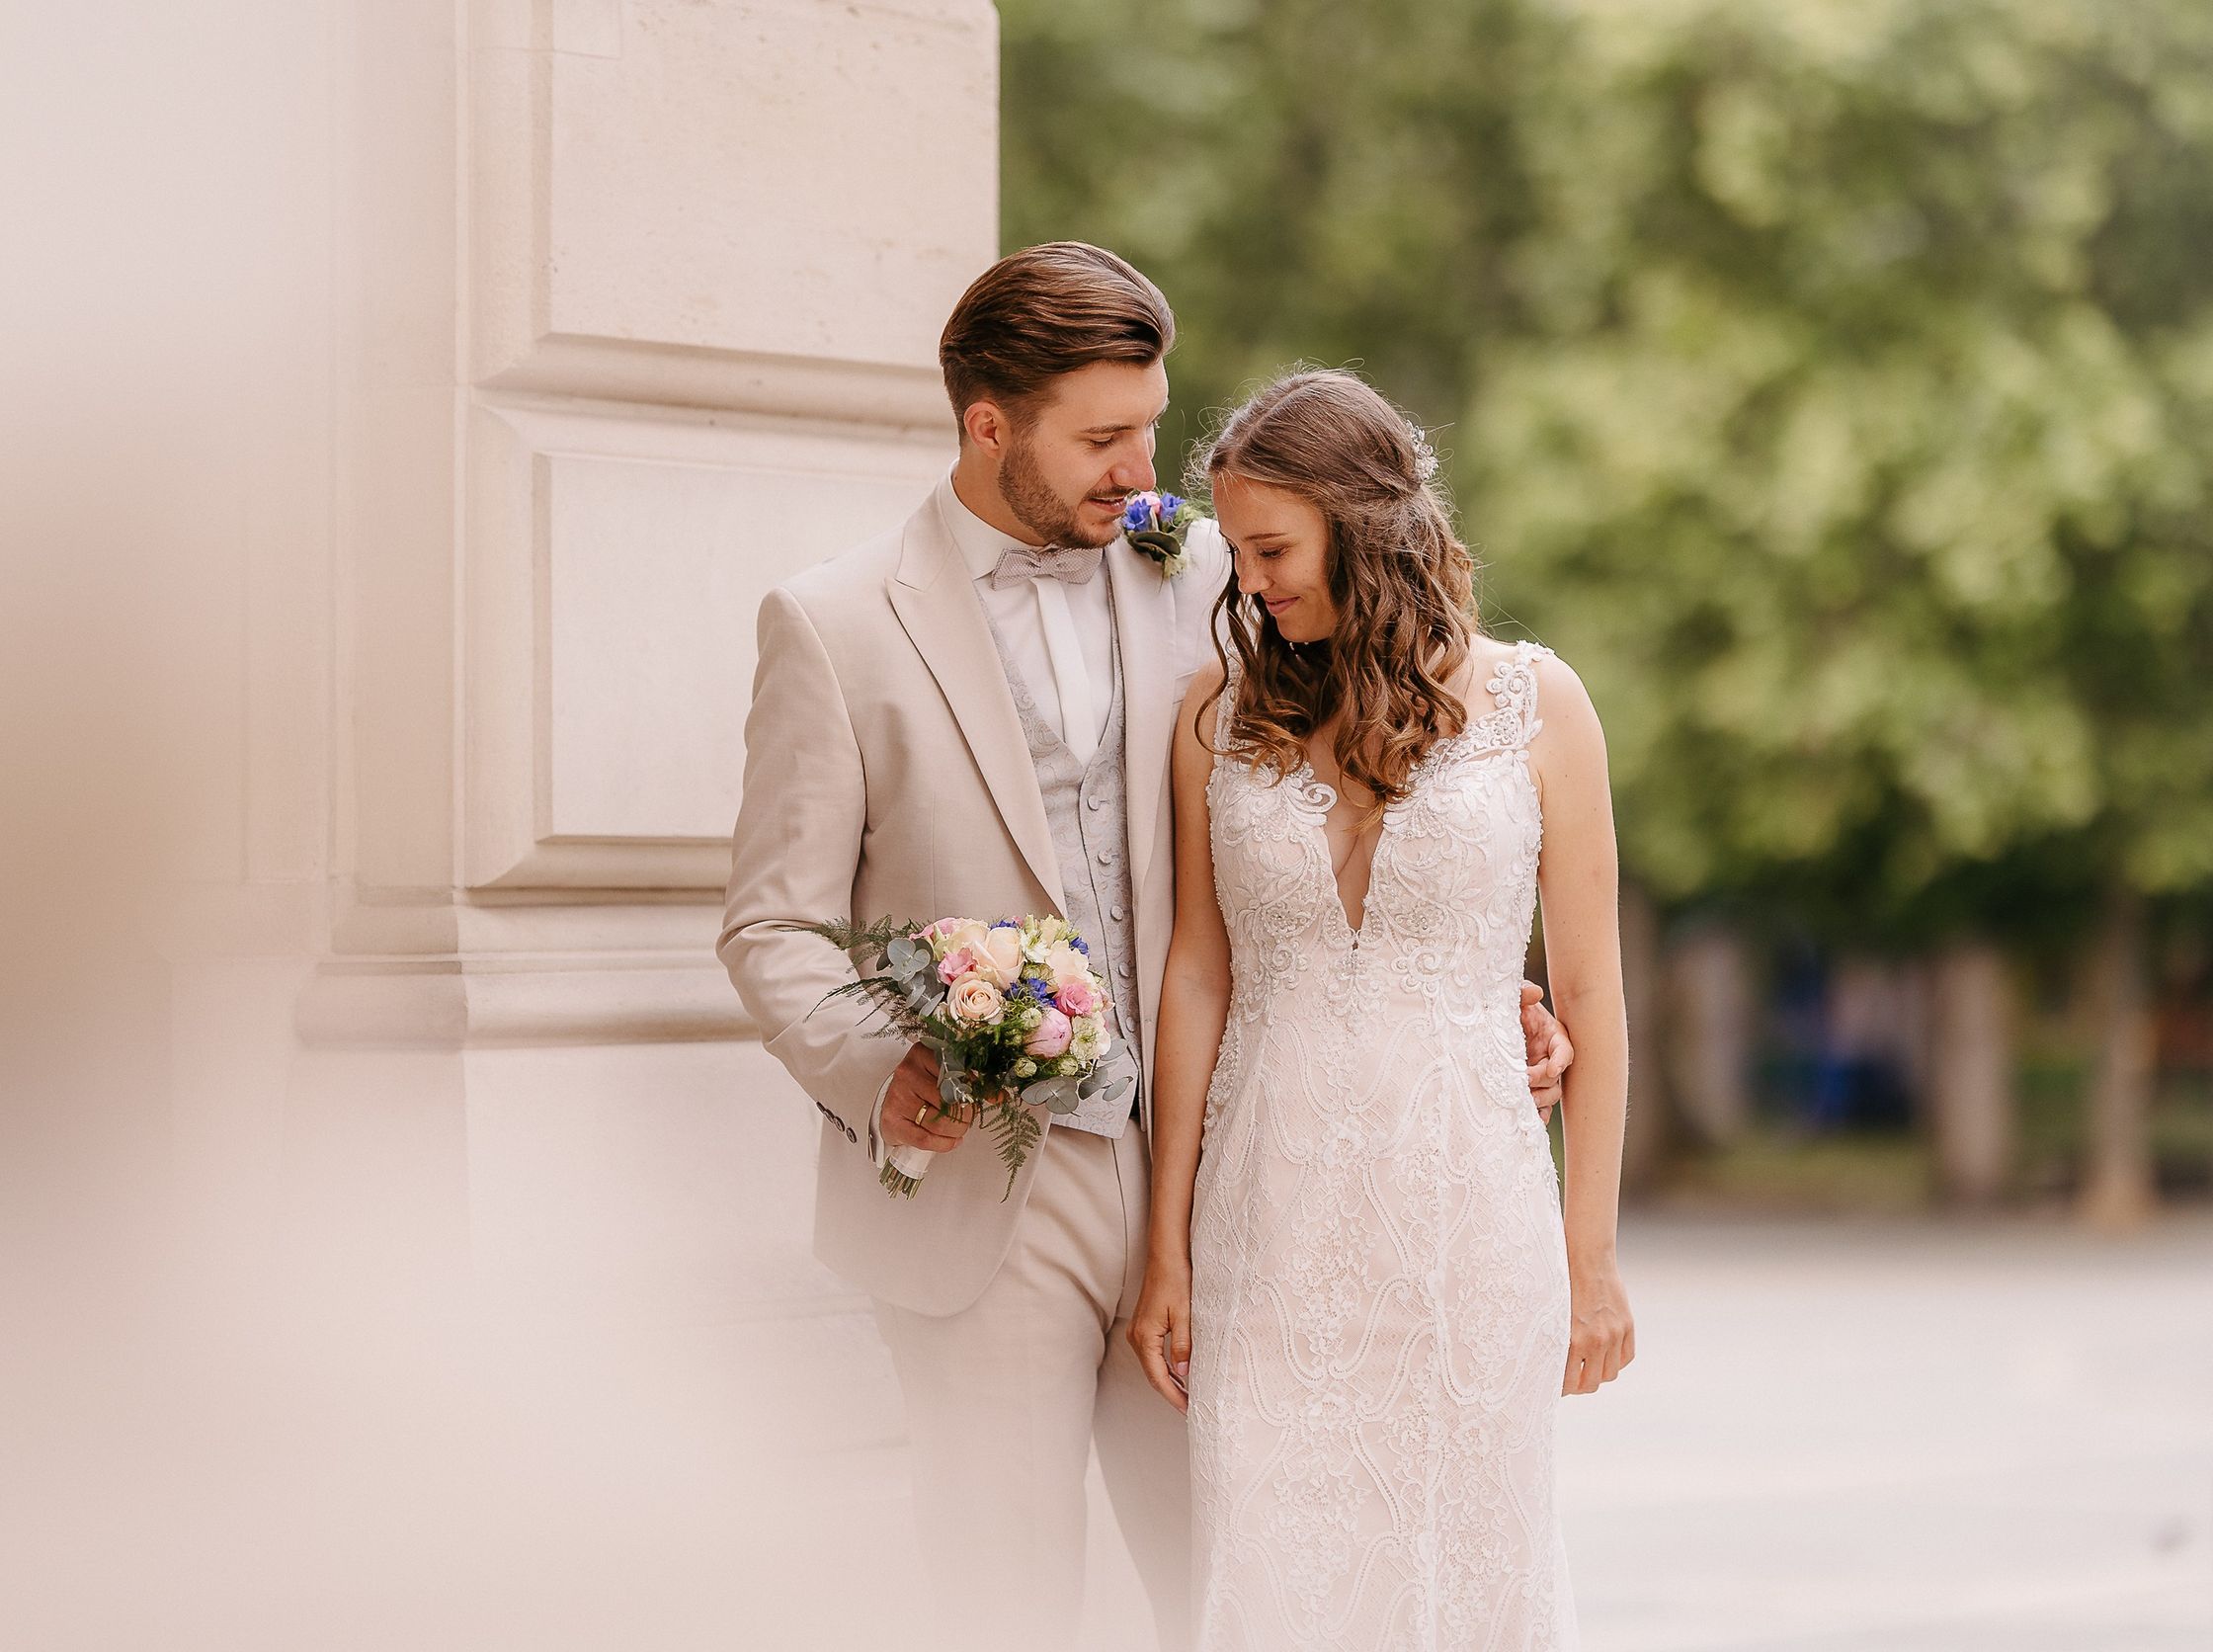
(1379, 1272)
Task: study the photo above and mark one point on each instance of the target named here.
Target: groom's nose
(1134, 474)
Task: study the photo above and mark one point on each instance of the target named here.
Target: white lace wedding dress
(1379, 1278)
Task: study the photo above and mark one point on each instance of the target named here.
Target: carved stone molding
(615, 561)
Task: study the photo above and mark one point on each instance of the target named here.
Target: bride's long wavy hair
(1403, 584)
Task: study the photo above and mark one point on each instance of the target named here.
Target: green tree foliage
(1859, 448)
(1830, 382)
(1308, 180)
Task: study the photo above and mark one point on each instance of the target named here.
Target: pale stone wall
(481, 363)
(599, 319)
(634, 314)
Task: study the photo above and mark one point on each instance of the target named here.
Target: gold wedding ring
(920, 1111)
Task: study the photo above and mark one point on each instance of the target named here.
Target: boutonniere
(1155, 524)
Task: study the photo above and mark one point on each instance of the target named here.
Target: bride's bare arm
(1194, 1006)
(1578, 879)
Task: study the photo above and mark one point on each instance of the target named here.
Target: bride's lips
(1276, 605)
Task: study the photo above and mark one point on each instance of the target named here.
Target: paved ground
(1897, 1439)
(1882, 1438)
(1836, 1438)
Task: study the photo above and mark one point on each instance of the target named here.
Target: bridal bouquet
(1012, 1009)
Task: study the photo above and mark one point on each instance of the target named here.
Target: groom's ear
(989, 426)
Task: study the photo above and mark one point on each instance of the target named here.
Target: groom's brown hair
(1047, 310)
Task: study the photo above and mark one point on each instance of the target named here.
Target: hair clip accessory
(1425, 456)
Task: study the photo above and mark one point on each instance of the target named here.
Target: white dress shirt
(1061, 638)
(1059, 634)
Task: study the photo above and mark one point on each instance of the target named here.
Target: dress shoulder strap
(1512, 720)
(1224, 700)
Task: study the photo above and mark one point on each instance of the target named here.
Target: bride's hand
(1161, 1328)
(1602, 1337)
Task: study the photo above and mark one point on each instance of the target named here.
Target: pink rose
(1051, 1036)
(956, 965)
(1078, 997)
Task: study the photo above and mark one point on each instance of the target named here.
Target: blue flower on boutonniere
(1155, 524)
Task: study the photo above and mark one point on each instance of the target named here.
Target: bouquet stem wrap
(904, 1168)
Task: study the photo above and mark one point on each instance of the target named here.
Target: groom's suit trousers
(1005, 1399)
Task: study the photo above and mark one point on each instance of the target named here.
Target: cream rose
(976, 1001)
(998, 955)
(1065, 964)
(957, 934)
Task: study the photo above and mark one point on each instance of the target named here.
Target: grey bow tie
(1074, 564)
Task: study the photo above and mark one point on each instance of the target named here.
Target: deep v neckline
(1326, 798)
(1321, 797)
(1317, 799)
(1320, 793)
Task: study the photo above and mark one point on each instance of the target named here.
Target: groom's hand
(1549, 1053)
(912, 1113)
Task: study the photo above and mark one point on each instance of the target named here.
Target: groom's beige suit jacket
(887, 775)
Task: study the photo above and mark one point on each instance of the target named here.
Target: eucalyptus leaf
(1057, 1095)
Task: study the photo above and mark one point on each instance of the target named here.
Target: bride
(1358, 1280)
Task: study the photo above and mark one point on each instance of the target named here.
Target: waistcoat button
(1116, 913)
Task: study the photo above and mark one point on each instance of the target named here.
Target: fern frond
(852, 937)
(1016, 1131)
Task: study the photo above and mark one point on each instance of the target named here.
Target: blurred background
(1832, 384)
(404, 1242)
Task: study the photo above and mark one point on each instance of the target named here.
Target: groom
(971, 716)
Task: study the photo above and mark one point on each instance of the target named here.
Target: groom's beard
(1050, 520)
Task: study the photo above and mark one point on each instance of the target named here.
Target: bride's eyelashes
(1267, 554)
